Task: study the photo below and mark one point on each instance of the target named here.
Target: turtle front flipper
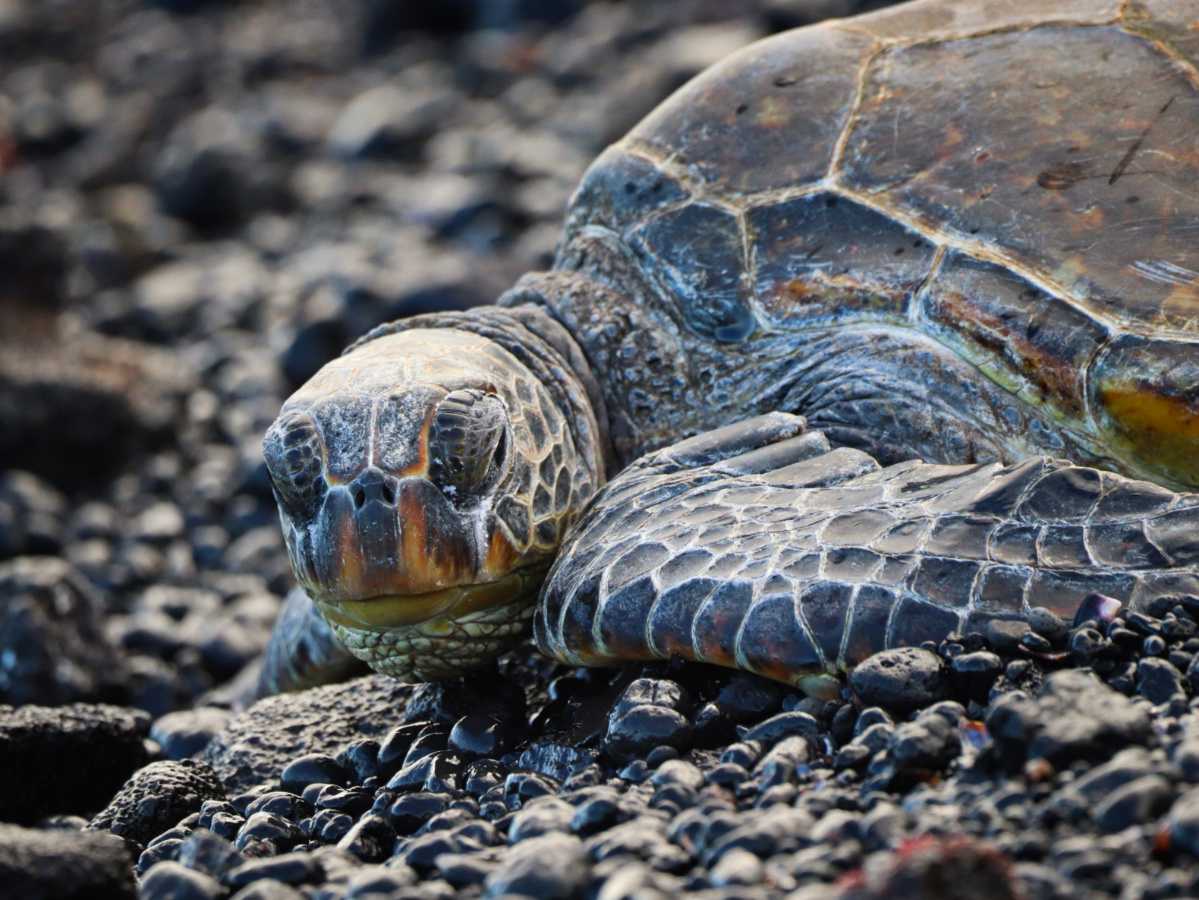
(800, 570)
(303, 651)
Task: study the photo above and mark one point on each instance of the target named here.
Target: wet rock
(294, 868)
(186, 733)
(1158, 680)
(156, 798)
(788, 724)
(646, 716)
(361, 760)
(266, 834)
(902, 680)
(63, 865)
(556, 760)
(257, 745)
(372, 839)
(312, 768)
(477, 736)
(544, 816)
(411, 811)
(69, 759)
(1074, 717)
(1135, 802)
(552, 866)
(56, 650)
(483, 693)
(210, 854)
(171, 881)
(281, 803)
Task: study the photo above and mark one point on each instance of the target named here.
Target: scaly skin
(425, 481)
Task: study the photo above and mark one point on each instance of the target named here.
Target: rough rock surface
(63, 865)
(68, 759)
(1074, 716)
(257, 745)
(157, 797)
(52, 626)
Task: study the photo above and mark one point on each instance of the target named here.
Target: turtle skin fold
(762, 548)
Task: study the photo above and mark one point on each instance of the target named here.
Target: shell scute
(620, 189)
(767, 117)
(1064, 150)
(947, 21)
(698, 250)
(823, 258)
(1033, 343)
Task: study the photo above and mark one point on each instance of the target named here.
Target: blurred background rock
(203, 202)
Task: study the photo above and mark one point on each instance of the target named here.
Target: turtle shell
(1019, 181)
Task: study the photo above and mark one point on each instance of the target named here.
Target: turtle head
(425, 480)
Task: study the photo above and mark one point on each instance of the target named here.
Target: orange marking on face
(501, 555)
(349, 552)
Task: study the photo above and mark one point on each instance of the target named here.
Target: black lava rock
(186, 733)
(1158, 680)
(172, 881)
(50, 613)
(266, 833)
(788, 724)
(293, 868)
(902, 680)
(647, 715)
(63, 865)
(477, 736)
(1074, 717)
(206, 852)
(257, 745)
(156, 798)
(68, 759)
(480, 693)
(372, 839)
(553, 867)
(1137, 801)
(313, 768)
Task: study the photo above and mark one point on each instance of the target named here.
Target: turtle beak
(380, 535)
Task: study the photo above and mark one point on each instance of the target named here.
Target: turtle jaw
(440, 634)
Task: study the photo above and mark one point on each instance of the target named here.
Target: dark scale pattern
(900, 555)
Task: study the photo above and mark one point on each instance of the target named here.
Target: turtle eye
(294, 460)
(468, 443)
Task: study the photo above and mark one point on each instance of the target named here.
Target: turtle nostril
(359, 498)
(389, 496)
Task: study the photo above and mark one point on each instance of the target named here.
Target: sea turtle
(880, 277)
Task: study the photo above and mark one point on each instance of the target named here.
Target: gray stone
(552, 866)
(56, 649)
(63, 865)
(187, 732)
(171, 881)
(900, 680)
(257, 745)
(68, 759)
(1073, 717)
(157, 797)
